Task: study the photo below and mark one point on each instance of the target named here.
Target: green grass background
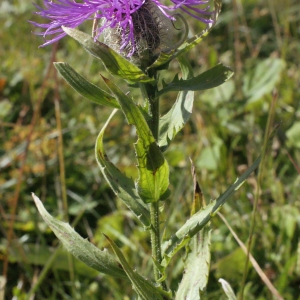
(260, 40)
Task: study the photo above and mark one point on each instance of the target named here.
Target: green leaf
(262, 79)
(207, 80)
(174, 120)
(227, 289)
(166, 57)
(84, 87)
(210, 156)
(293, 135)
(163, 60)
(197, 263)
(196, 267)
(201, 218)
(153, 181)
(85, 251)
(5, 108)
(122, 186)
(143, 288)
(39, 256)
(116, 64)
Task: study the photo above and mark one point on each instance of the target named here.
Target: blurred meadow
(47, 136)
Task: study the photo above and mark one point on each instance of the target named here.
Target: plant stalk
(150, 97)
(155, 237)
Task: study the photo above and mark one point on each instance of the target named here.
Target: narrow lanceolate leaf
(167, 56)
(143, 288)
(116, 64)
(174, 120)
(153, 181)
(227, 289)
(85, 251)
(164, 58)
(201, 218)
(198, 201)
(197, 261)
(195, 40)
(207, 80)
(84, 87)
(196, 267)
(122, 186)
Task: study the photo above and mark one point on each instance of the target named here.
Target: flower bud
(152, 31)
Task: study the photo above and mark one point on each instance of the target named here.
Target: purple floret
(112, 13)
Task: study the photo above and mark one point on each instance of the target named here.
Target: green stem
(155, 241)
(152, 101)
(154, 108)
(155, 237)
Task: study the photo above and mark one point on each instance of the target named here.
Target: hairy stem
(154, 109)
(152, 101)
(155, 237)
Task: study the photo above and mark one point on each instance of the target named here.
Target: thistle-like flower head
(122, 15)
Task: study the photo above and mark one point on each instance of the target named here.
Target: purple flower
(113, 14)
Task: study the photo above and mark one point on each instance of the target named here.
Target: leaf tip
(37, 201)
(106, 80)
(43, 212)
(67, 30)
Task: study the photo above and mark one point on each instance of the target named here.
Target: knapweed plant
(139, 39)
